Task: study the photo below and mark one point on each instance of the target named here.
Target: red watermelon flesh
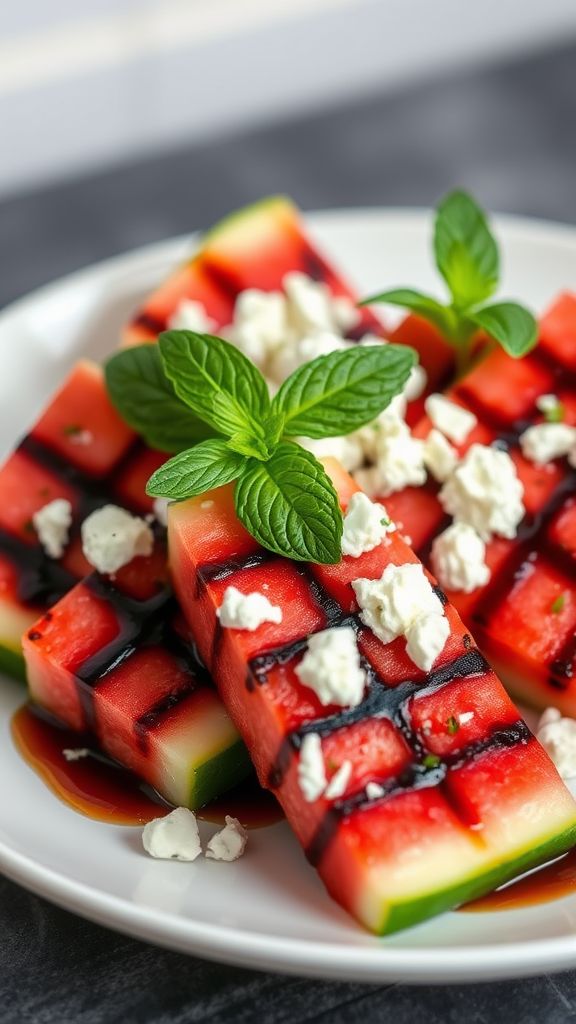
(452, 820)
(80, 450)
(111, 661)
(524, 618)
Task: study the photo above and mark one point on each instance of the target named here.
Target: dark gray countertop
(507, 133)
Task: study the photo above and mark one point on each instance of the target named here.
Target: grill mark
(138, 621)
(152, 718)
(414, 777)
(562, 374)
(150, 322)
(42, 581)
(215, 571)
(381, 701)
(529, 534)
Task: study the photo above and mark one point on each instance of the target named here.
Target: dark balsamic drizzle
(414, 777)
(149, 322)
(42, 581)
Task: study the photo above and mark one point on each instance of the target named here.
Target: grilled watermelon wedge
(113, 661)
(524, 618)
(79, 449)
(460, 810)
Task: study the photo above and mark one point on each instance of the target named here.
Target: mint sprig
(283, 495)
(467, 257)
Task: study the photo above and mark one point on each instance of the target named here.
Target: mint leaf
(442, 317)
(210, 464)
(290, 506)
(510, 324)
(246, 444)
(146, 400)
(465, 249)
(339, 392)
(216, 381)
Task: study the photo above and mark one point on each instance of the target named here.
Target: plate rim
(232, 945)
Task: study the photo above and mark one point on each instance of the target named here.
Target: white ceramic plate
(268, 910)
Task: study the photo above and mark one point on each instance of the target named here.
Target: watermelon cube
(447, 793)
(113, 661)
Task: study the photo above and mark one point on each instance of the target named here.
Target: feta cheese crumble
(392, 603)
(260, 324)
(547, 441)
(229, 843)
(311, 772)
(173, 837)
(52, 523)
(112, 537)
(440, 457)
(366, 523)
(247, 611)
(339, 781)
(75, 753)
(426, 638)
(160, 510)
(402, 602)
(550, 404)
(449, 418)
(374, 790)
(331, 667)
(310, 304)
(458, 559)
(191, 315)
(558, 737)
(347, 449)
(399, 459)
(484, 491)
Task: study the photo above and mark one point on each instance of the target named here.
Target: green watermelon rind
(215, 776)
(414, 911)
(12, 663)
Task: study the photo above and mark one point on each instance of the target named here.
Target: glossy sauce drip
(101, 789)
(549, 883)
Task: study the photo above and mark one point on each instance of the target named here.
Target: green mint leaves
(467, 257)
(198, 388)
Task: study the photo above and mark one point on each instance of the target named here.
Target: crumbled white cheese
(347, 449)
(399, 462)
(374, 790)
(416, 383)
(485, 492)
(228, 844)
(440, 457)
(369, 340)
(547, 441)
(291, 356)
(331, 667)
(346, 314)
(191, 315)
(173, 837)
(310, 304)
(160, 509)
(366, 523)
(449, 418)
(260, 324)
(52, 524)
(311, 772)
(112, 537)
(391, 604)
(558, 737)
(339, 781)
(458, 559)
(247, 611)
(75, 753)
(548, 403)
(426, 638)
(465, 716)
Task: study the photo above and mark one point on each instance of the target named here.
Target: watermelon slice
(461, 807)
(524, 618)
(80, 450)
(113, 661)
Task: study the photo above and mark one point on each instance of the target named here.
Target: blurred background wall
(122, 121)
